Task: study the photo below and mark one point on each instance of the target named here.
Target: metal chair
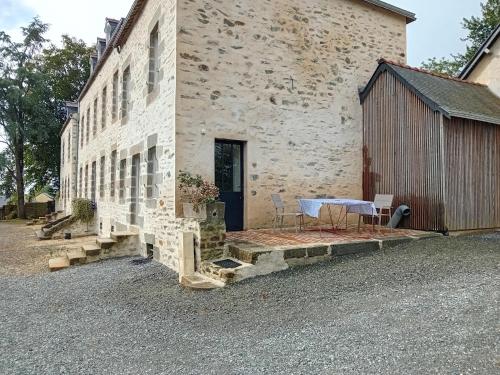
(281, 213)
(383, 205)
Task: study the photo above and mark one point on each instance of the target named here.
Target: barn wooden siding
(403, 152)
(472, 174)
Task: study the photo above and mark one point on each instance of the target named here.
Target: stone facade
(69, 163)
(282, 76)
(487, 70)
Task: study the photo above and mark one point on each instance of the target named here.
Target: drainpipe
(401, 212)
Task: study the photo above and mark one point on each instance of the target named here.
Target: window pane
(237, 168)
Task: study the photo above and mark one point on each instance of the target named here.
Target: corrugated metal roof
(452, 97)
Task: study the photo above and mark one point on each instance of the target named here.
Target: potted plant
(197, 194)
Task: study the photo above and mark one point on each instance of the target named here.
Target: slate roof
(480, 53)
(450, 96)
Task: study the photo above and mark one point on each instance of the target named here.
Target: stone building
(259, 96)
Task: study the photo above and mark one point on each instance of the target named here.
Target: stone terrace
(261, 252)
(287, 238)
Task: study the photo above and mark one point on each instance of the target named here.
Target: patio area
(260, 252)
(289, 238)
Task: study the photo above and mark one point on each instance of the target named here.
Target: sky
(436, 33)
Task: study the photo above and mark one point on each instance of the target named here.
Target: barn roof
(450, 96)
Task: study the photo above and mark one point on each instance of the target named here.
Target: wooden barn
(433, 142)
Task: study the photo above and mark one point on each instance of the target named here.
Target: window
(80, 183)
(86, 181)
(113, 174)
(93, 181)
(88, 126)
(101, 177)
(152, 169)
(123, 166)
(154, 60)
(69, 146)
(94, 127)
(125, 92)
(62, 152)
(104, 101)
(114, 105)
(82, 131)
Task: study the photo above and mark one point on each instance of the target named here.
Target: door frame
(243, 157)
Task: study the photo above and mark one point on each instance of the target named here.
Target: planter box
(212, 212)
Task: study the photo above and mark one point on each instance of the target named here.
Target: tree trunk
(19, 159)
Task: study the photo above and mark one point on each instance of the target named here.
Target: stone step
(40, 234)
(91, 250)
(200, 282)
(105, 243)
(118, 236)
(76, 257)
(59, 263)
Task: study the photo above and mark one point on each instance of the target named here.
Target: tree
(22, 102)
(36, 78)
(66, 69)
(479, 29)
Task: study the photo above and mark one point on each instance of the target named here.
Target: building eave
(471, 65)
(410, 17)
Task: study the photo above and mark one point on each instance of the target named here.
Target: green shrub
(83, 210)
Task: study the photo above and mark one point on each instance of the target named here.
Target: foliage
(66, 70)
(7, 181)
(35, 81)
(196, 190)
(23, 98)
(83, 210)
(479, 29)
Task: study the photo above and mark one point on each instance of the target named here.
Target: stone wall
(69, 165)
(283, 76)
(150, 122)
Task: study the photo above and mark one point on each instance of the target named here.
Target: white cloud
(77, 18)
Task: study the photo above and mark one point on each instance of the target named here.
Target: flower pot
(213, 212)
(190, 213)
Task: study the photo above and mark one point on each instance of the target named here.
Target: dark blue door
(229, 180)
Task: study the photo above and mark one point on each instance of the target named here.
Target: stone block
(390, 243)
(317, 251)
(295, 253)
(355, 248)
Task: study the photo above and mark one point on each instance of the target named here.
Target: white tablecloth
(312, 207)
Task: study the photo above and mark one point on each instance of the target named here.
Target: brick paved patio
(268, 237)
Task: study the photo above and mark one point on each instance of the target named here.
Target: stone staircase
(49, 229)
(119, 244)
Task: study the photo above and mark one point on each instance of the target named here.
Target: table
(312, 208)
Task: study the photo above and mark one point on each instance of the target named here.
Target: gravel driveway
(427, 307)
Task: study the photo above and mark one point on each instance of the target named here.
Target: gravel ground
(427, 307)
(22, 254)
